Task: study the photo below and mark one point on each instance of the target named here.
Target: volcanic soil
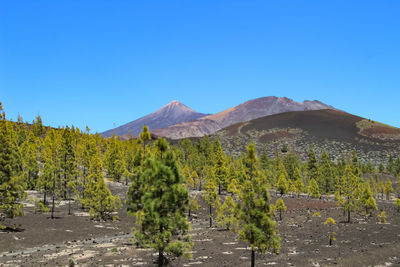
(41, 241)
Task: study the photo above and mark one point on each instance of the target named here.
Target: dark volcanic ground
(364, 242)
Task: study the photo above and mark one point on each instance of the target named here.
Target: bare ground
(42, 241)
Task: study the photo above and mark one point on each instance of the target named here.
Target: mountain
(335, 131)
(246, 111)
(173, 113)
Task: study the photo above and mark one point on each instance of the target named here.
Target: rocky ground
(41, 241)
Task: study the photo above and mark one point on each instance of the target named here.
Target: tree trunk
(69, 206)
(210, 216)
(160, 258)
(348, 216)
(253, 258)
(330, 241)
(219, 189)
(65, 186)
(44, 196)
(52, 208)
(280, 215)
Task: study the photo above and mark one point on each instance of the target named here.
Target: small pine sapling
(330, 222)
(280, 205)
(382, 218)
(370, 205)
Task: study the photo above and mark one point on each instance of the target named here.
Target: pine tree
(370, 204)
(251, 161)
(86, 149)
(187, 177)
(355, 164)
(68, 164)
(366, 198)
(280, 205)
(195, 179)
(98, 198)
(255, 223)
(313, 189)
(49, 182)
(298, 182)
(114, 159)
(210, 194)
(11, 181)
(327, 177)
(330, 222)
(388, 188)
(145, 136)
(291, 163)
(282, 185)
(312, 166)
(226, 213)
(382, 218)
(347, 193)
(233, 187)
(30, 161)
(162, 146)
(37, 127)
(161, 218)
(220, 169)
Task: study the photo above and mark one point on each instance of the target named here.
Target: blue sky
(105, 63)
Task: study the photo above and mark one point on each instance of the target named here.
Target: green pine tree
(280, 205)
(98, 198)
(11, 181)
(226, 213)
(313, 189)
(347, 194)
(220, 169)
(161, 218)
(282, 184)
(255, 223)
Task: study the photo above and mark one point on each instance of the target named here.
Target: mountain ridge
(175, 120)
(249, 110)
(170, 114)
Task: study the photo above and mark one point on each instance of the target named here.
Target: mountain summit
(246, 111)
(172, 113)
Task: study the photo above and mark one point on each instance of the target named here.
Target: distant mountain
(173, 113)
(335, 131)
(246, 111)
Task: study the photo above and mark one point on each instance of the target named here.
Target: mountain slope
(173, 113)
(246, 111)
(335, 131)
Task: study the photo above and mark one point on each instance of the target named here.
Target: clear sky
(100, 63)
